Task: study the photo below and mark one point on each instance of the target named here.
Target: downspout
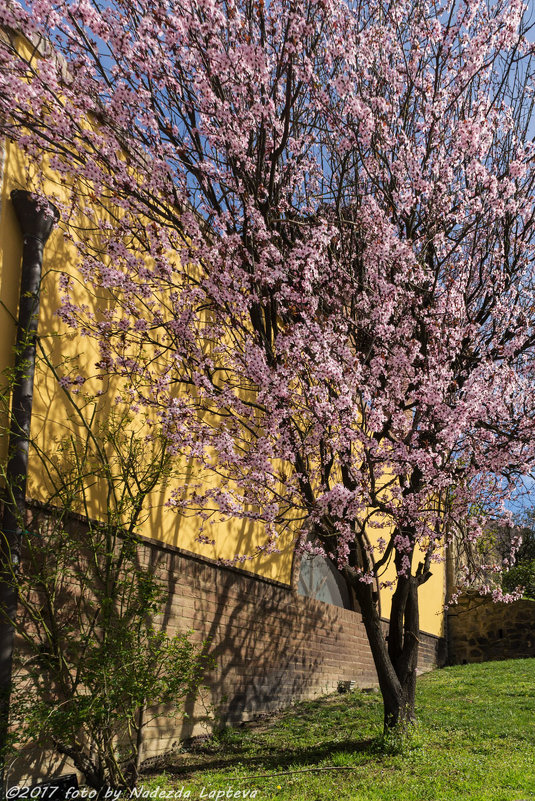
(36, 218)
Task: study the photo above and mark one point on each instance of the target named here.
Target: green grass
(475, 741)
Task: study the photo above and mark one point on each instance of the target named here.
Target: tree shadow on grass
(276, 759)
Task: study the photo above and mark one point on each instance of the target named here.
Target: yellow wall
(53, 417)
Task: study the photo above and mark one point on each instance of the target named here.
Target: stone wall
(480, 630)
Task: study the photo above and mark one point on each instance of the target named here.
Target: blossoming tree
(318, 244)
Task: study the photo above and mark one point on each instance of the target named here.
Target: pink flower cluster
(311, 230)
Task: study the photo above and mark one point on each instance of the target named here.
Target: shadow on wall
(34, 763)
(480, 630)
(270, 645)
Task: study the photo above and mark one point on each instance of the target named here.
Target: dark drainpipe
(36, 218)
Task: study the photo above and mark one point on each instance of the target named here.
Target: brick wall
(480, 630)
(271, 645)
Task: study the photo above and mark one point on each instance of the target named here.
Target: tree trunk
(396, 656)
(403, 642)
(400, 711)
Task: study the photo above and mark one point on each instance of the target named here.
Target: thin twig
(301, 770)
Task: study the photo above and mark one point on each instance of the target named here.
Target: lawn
(475, 741)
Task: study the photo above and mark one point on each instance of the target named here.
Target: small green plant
(94, 665)
(522, 573)
(400, 740)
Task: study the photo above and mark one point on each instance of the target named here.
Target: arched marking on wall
(319, 579)
(315, 576)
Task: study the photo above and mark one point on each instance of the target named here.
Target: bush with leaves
(96, 666)
(522, 573)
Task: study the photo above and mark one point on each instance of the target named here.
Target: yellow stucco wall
(53, 417)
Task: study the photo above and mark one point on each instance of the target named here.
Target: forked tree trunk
(395, 655)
